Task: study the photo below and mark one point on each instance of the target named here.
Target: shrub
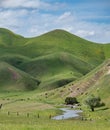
(71, 100)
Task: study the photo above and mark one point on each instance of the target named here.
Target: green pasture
(25, 111)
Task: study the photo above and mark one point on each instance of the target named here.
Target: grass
(29, 109)
(55, 125)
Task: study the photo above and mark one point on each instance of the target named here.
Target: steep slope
(91, 82)
(101, 87)
(13, 79)
(97, 82)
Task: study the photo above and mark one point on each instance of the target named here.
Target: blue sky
(89, 19)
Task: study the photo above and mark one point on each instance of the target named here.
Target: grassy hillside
(107, 50)
(52, 42)
(62, 41)
(57, 67)
(13, 79)
(55, 58)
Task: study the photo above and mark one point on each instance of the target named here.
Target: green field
(37, 74)
(31, 111)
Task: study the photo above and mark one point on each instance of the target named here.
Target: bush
(71, 100)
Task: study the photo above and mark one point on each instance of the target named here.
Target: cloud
(10, 17)
(85, 33)
(65, 16)
(30, 4)
(67, 21)
(19, 3)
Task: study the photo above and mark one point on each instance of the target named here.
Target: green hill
(13, 79)
(55, 58)
(59, 68)
(62, 41)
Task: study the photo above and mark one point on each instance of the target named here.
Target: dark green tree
(93, 102)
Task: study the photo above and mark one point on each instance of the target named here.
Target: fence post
(8, 113)
(27, 114)
(17, 113)
(38, 116)
(50, 116)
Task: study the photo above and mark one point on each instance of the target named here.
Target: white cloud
(7, 18)
(19, 3)
(14, 20)
(85, 33)
(65, 16)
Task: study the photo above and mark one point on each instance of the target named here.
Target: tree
(71, 100)
(93, 102)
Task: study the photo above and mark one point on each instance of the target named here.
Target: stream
(67, 114)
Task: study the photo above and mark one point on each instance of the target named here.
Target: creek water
(67, 114)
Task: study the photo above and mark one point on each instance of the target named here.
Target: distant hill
(55, 58)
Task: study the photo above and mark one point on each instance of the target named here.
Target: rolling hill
(54, 59)
(12, 78)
